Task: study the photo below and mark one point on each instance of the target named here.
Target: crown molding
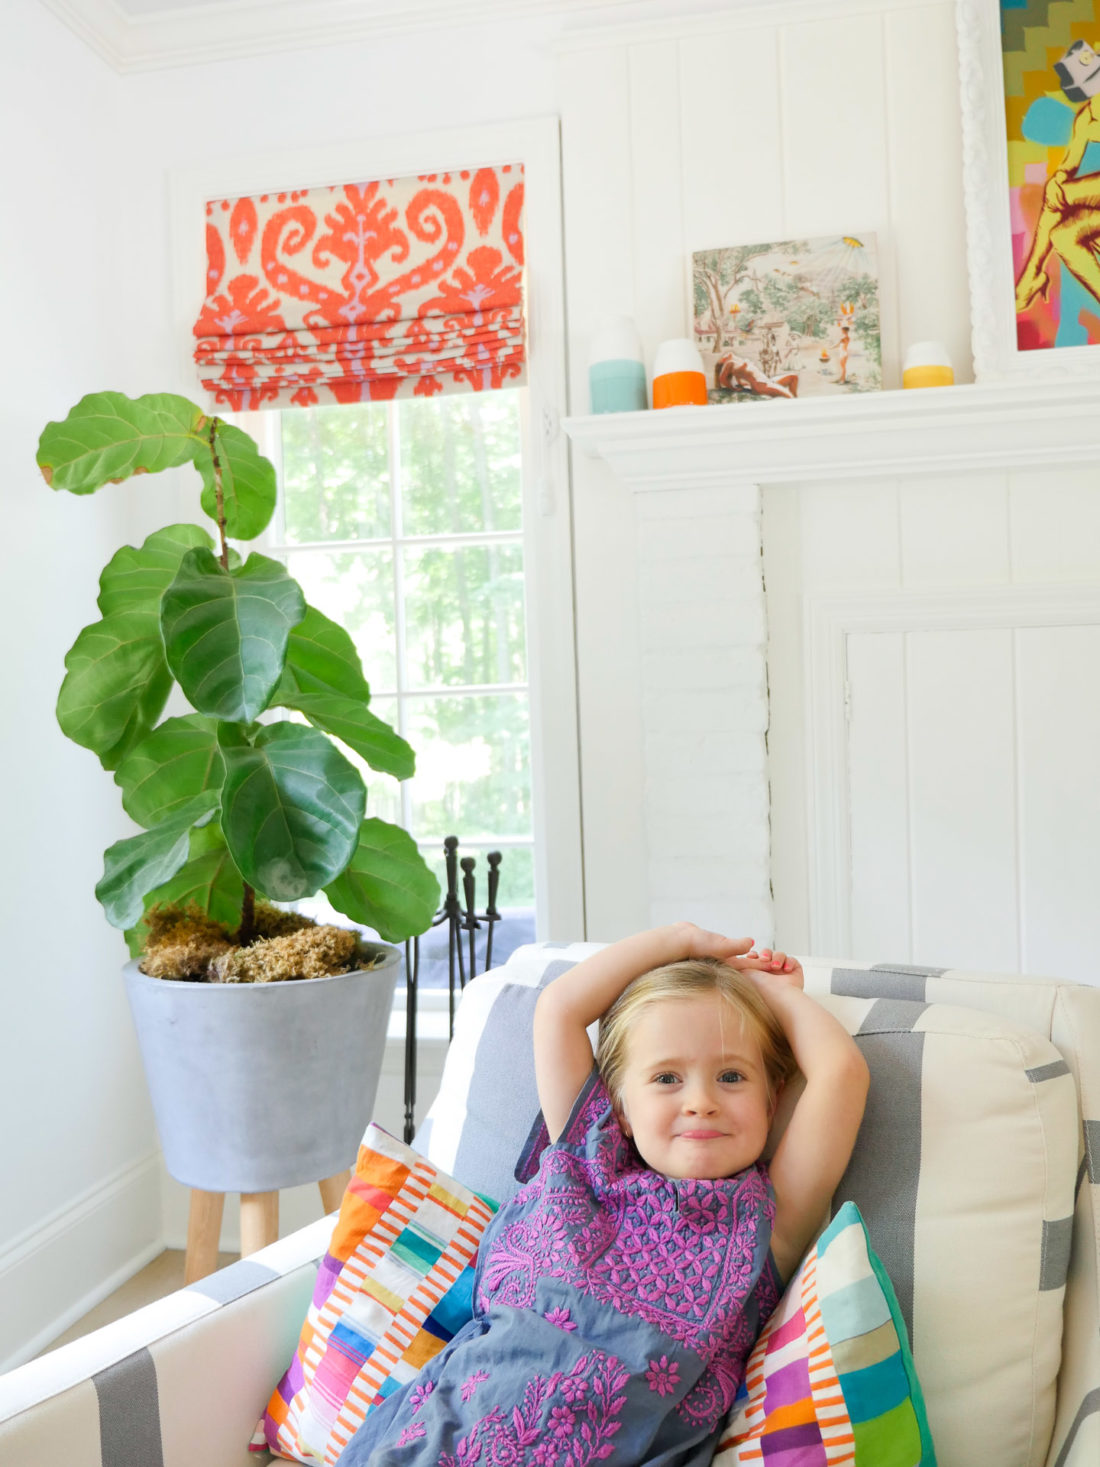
(223, 30)
(870, 435)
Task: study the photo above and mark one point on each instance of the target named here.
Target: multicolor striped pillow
(394, 1287)
(831, 1379)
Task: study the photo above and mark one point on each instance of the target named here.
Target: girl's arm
(566, 1007)
(816, 1146)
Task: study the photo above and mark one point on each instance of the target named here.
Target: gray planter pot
(259, 1086)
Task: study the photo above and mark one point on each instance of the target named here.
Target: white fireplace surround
(697, 475)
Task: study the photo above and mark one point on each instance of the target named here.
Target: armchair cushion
(395, 1285)
(832, 1374)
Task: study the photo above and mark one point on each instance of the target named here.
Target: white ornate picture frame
(988, 224)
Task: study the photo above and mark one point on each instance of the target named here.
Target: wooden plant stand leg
(332, 1190)
(259, 1220)
(204, 1225)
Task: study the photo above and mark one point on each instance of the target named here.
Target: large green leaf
(140, 863)
(208, 879)
(107, 437)
(291, 810)
(248, 483)
(116, 685)
(321, 658)
(387, 886)
(169, 767)
(225, 632)
(356, 726)
(135, 580)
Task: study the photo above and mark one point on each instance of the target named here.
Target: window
(438, 531)
(404, 522)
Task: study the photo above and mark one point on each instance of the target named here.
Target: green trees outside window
(403, 522)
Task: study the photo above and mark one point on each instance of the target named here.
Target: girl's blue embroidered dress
(614, 1312)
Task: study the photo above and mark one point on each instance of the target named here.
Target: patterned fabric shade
(363, 292)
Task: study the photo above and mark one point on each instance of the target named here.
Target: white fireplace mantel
(702, 609)
(866, 435)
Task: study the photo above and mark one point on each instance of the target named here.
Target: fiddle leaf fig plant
(234, 802)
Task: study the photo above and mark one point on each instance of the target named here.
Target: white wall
(79, 1198)
(87, 303)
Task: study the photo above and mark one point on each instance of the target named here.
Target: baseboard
(52, 1274)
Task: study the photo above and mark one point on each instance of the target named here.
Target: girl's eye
(731, 1077)
(666, 1077)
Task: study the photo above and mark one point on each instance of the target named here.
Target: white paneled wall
(950, 629)
(767, 122)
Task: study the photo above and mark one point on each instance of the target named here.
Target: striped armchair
(977, 1171)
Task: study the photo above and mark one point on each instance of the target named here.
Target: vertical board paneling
(878, 795)
(928, 226)
(1058, 682)
(597, 168)
(834, 143)
(1054, 524)
(962, 798)
(660, 307)
(954, 530)
(849, 536)
(732, 144)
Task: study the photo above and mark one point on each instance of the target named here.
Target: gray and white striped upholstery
(978, 1170)
(180, 1383)
(966, 1171)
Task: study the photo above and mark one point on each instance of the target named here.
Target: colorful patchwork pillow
(394, 1287)
(831, 1379)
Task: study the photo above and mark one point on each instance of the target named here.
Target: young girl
(619, 1293)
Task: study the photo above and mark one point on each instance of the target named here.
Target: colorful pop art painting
(1052, 117)
(795, 318)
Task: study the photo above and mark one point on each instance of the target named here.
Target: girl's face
(694, 1094)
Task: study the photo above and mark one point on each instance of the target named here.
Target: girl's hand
(775, 964)
(699, 943)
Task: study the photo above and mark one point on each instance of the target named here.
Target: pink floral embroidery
(412, 1433)
(420, 1393)
(663, 1376)
(561, 1318)
(546, 1433)
(471, 1385)
(574, 1389)
(561, 1421)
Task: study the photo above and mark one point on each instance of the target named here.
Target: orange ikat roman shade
(363, 292)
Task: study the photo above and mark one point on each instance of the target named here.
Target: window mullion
(426, 542)
(397, 531)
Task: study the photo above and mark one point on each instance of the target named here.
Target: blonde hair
(686, 979)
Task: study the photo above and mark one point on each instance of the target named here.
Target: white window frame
(547, 509)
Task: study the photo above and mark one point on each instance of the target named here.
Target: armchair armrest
(179, 1383)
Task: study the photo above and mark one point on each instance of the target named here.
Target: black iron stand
(461, 917)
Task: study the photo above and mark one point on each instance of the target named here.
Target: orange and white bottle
(678, 376)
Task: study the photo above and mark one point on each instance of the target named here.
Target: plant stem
(219, 496)
(248, 916)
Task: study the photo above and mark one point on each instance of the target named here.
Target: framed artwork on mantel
(789, 318)
(1030, 89)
